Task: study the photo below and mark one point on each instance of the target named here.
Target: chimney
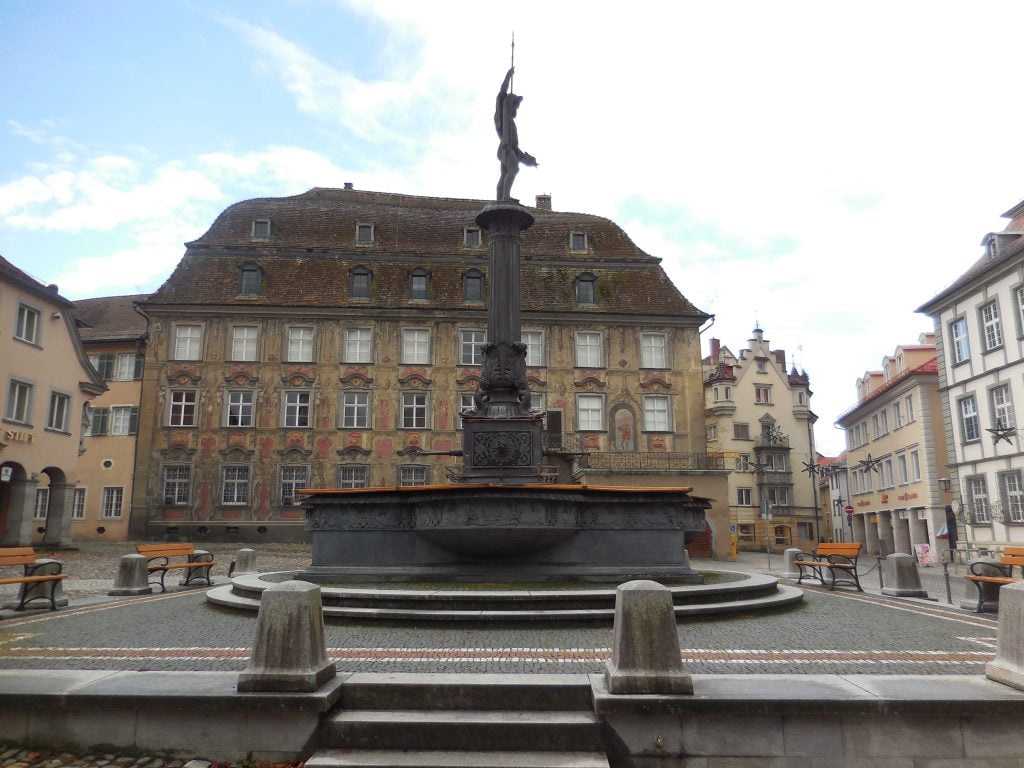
(716, 347)
(348, 185)
(544, 202)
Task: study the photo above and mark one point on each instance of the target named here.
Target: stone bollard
(244, 563)
(790, 571)
(901, 576)
(990, 592)
(686, 558)
(1008, 665)
(132, 576)
(645, 649)
(41, 592)
(290, 653)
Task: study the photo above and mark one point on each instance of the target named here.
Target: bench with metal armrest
(838, 561)
(196, 563)
(1012, 557)
(35, 573)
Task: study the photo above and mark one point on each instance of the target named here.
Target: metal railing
(771, 442)
(649, 460)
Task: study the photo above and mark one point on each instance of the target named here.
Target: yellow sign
(19, 436)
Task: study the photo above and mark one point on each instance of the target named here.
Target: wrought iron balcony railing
(649, 460)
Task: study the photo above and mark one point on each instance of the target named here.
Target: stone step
(472, 730)
(381, 758)
(407, 690)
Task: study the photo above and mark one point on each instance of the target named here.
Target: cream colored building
(114, 336)
(759, 415)
(896, 453)
(47, 383)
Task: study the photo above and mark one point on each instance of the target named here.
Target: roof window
(261, 229)
(471, 237)
(250, 280)
(578, 241)
(586, 289)
(364, 234)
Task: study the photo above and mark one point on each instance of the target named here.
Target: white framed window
(901, 466)
(465, 402)
(992, 328)
(176, 484)
(762, 394)
(897, 415)
(762, 365)
(19, 402)
(112, 502)
(358, 345)
(129, 367)
(961, 346)
(657, 416)
(777, 496)
(235, 484)
(244, 339)
(296, 408)
(42, 505)
(886, 471)
(743, 497)
(776, 462)
(970, 425)
(241, 408)
(104, 365)
(415, 413)
(27, 328)
(300, 344)
(590, 413)
(534, 341)
(410, 474)
(711, 432)
(293, 477)
(589, 349)
(78, 504)
(57, 416)
(915, 466)
(182, 408)
(1002, 406)
(99, 422)
(124, 420)
(740, 430)
(1013, 496)
(653, 350)
(743, 462)
(910, 408)
(355, 410)
(353, 476)
(1018, 296)
(188, 342)
(855, 481)
(471, 350)
(415, 346)
(977, 498)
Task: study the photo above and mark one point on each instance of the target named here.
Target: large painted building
(47, 384)
(331, 339)
(979, 334)
(759, 416)
(896, 453)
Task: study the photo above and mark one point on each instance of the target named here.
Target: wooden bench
(34, 573)
(1012, 557)
(839, 560)
(196, 563)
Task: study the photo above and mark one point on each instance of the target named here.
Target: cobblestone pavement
(831, 632)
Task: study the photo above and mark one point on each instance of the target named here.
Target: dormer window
(578, 242)
(992, 248)
(586, 292)
(250, 281)
(473, 286)
(418, 282)
(261, 229)
(364, 234)
(762, 365)
(359, 283)
(471, 237)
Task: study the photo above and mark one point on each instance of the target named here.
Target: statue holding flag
(509, 153)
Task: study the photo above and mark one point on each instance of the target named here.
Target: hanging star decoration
(813, 469)
(870, 463)
(839, 503)
(774, 435)
(1000, 432)
(758, 468)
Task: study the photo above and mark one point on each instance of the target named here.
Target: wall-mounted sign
(19, 436)
(6, 473)
(907, 496)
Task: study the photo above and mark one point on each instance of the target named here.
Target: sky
(819, 169)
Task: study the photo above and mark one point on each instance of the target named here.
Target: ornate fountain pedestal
(501, 533)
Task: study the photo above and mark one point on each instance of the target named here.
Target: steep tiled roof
(312, 247)
(928, 368)
(110, 318)
(25, 280)
(722, 372)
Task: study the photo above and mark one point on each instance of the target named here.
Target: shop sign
(907, 496)
(19, 436)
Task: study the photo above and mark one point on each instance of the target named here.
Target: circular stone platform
(742, 592)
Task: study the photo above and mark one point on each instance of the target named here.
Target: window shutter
(140, 361)
(107, 367)
(100, 421)
(133, 421)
